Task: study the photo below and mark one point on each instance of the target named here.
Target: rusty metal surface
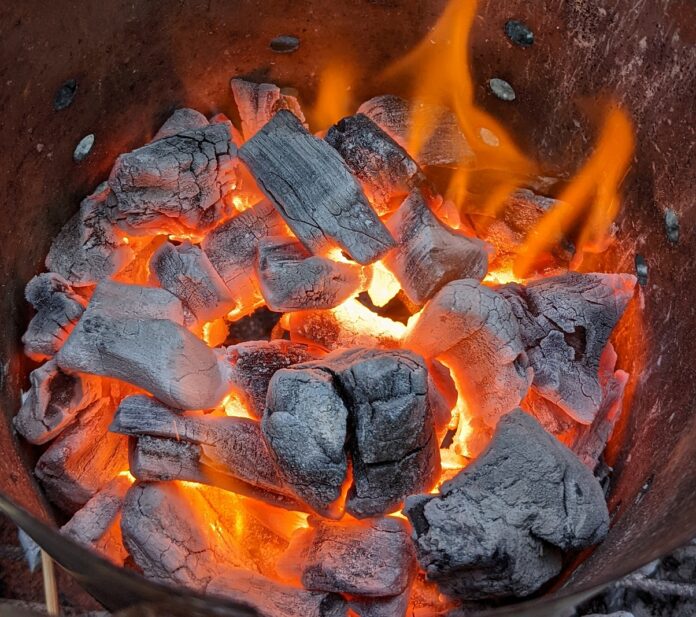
(135, 62)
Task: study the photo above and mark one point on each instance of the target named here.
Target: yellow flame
(501, 277)
(591, 201)
(383, 284)
(233, 406)
(334, 98)
(214, 332)
(357, 318)
(460, 422)
(126, 474)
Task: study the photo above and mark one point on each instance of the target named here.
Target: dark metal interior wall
(135, 62)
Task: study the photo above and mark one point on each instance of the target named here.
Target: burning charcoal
(53, 402)
(446, 145)
(385, 170)
(181, 120)
(272, 599)
(495, 530)
(177, 184)
(473, 330)
(174, 536)
(232, 249)
(305, 426)
(97, 524)
(254, 363)
(374, 558)
(58, 309)
(127, 300)
(258, 103)
(187, 273)
(133, 344)
(394, 450)
(350, 324)
(88, 249)
(314, 191)
(72, 470)
(394, 606)
(550, 416)
(565, 323)
(429, 254)
(442, 395)
(291, 278)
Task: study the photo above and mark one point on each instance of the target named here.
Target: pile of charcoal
(410, 435)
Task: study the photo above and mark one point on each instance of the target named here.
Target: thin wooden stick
(50, 585)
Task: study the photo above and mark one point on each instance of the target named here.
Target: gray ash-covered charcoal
(385, 170)
(374, 558)
(58, 308)
(253, 363)
(72, 469)
(139, 344)
(186, 272)
(291, 278)
(473, 330)
(153, 459)
(446, 144)
(53, 402)
(258, 103)
(305, 426)
(184, 119)
(390, 606)
(232, 249)
(273, 599)
(89, 248)
(96, 525)
(565, 324)
(497, 529)
(314, 191)
(428, 254)
(178, 184)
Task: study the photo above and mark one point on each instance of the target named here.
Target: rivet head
(519, 33)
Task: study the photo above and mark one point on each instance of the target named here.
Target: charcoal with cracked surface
(385, 170)
(89, 248)
(58, 308)
(565, 324)
(177, 184)
(53, 402)
(184, 119)
(472, 329)
(253, 363)
(497, 529)
(314, 191)
(291, 278)
(430, 254)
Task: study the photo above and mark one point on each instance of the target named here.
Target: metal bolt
(285, 44)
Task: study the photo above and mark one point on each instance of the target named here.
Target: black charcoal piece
(429, 254)
(672, 226)
(565, 323)
(473, 330)
(88, 249)
(53, 402)
(58, 308)
(305, 426)
(291, 278)
(65, 95)
(253, 363)
(232, 249)
(258, 103)
(285, 44)
(498, 528)
(314, 191)
(374, 558)
(385, 170)
(446, 144)
(186, 272)
(181, 120)
(178, 184)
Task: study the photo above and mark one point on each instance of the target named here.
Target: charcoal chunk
(314, 191)
(498, 528)
(291, 278)
(565, 323)
(177, 184)
(473, 330)
(389, 606)
(89, 248)
(429, 254)
(53, 402)
(232, 249)
(254, 363)
(58, 308)
(305, 426)
(385, 170)
(184, 119)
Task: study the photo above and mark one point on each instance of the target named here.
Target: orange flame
(334, 98)
(591, 201)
